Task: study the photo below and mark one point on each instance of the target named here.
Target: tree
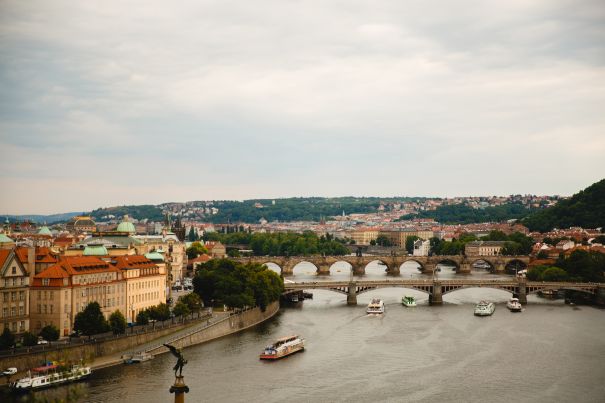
(409, 243)
(192, 300)
(91, 320)
(117, 322)
(542, 255)
(373, 242)
(143, 317)
(195, 250)
(382, 240)
(554, 274)
(181, 309)
(49, 333)
(159, 312)
(29, 339)
(7, 339)
(232, 252)
(192, 235)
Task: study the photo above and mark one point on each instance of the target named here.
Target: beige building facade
(14, 293)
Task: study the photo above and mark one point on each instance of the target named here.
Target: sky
(107, 103)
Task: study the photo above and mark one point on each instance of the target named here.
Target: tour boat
(408, 301)
(376, 306)
(283, 347)
(485, 308)
(514, 305)
(50, 375)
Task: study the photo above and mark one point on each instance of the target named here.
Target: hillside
(464, 214)
(584, 209)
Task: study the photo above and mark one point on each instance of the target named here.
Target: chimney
(31, 263)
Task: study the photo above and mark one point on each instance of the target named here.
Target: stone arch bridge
(437, 288)
(392, 264)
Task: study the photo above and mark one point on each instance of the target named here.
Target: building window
(4, 312)
(14, 270)
(39, 308)
(45, 281)
(5, 297)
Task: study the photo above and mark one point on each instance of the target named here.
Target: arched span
(273, 266)
(515, 264)
(450, 289)
(382, 264)
(412, 260)
(535, 290)
(449, 262)
(421, 289)
(300, 267)
(341, 267)
(482, 264)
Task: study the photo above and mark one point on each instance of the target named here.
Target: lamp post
(435, 276)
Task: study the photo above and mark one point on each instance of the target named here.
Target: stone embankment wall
(87, 352)
(227, 326)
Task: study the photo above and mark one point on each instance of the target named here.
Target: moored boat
(514, 305)
(485, 308)
(283, 347)
(50, 375)
(137, 357)
(376, 306)
(408, 301)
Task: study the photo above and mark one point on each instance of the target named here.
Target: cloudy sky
(118, 102)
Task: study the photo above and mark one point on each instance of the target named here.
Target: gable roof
(6, 257)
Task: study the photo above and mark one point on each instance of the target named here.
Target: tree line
(514, 244)
(580, 265)
(464, 214)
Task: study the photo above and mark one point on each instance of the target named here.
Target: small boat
(9, 371)
(141, 357)
(376, 306)
(514, 305)
(408, 301)
(283, 347)
(307, 295)
(50, 375)
(485, 308)
(548, 293)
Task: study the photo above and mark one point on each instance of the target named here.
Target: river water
(551, 352)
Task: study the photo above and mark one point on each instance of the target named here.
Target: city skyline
(145, 103)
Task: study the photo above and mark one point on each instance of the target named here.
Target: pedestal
(179, 389)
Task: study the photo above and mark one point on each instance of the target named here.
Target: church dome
(95, 250)
(44, 231)
(126, 226)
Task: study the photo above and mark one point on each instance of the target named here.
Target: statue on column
(180, 361)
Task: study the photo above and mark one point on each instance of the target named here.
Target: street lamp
(435, 276)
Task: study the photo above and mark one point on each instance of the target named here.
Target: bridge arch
(299, 267)
(448, 262)
(480, 263)
(407, 287)
(271, 265)
(451, 289)
(513, 264)
(382, 264)
(340, 267)
(412, 260)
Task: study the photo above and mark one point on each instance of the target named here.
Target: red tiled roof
(4, 253)
(133, 262)
(203, 258)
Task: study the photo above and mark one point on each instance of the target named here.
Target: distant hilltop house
(484, 248)
(81, 224)
(215, 249)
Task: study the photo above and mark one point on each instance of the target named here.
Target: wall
(225, 327)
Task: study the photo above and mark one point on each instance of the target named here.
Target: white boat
(140, 357)
(376, 306)
(283, 347)
(408, 301)
(514, 305)
(9, 371)
(50, 375)
(485, 308)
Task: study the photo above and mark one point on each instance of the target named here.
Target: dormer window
(45, 281)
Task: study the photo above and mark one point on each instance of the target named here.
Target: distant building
(484, 248)
(422, 247)
(14, 287)
(216, 249)
(81, 224)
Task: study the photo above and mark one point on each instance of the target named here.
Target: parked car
(42, 341)
(9, 371)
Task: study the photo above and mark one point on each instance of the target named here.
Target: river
(550, 352)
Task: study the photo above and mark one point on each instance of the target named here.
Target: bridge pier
(600, 296)
(499, 267)
(436, 297)
(522, 294)
(393, 270)
(352, 294)
(358, 269)
(323, 269)
(287, 270)
(465, 268)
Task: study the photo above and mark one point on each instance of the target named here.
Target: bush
(117, 322)
(143, 317)
(49, 333)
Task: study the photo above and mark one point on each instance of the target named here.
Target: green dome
(44, 231)
(5, 239)
(95, 250)
(126, 226)
(154, 256)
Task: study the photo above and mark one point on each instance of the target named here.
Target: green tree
(29, 339)
(181, 309)
(91, 320)
(159, 312)
(554, 274)
(192, 300)
(409, 243)
(49, 333)
(382, 240)
(542, 255)
(192, 235)
(232, 252)
(373, 242)
(143, 317)
(195, 250)
(7, 339)
(117, 322)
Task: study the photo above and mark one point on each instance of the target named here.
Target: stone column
(287, 270)
(436, 296)
(522, 294)
(359, 269)
(465, 267)
(323, 269)
(499, 266)
(179, 389)
(352, 294)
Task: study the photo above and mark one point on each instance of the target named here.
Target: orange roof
(43, 255)
(200, 259)
(55, 271)
(4, 253)
(133, 262)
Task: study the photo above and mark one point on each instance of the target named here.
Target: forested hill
(139, 212)
(465, 214)
(584, 209)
